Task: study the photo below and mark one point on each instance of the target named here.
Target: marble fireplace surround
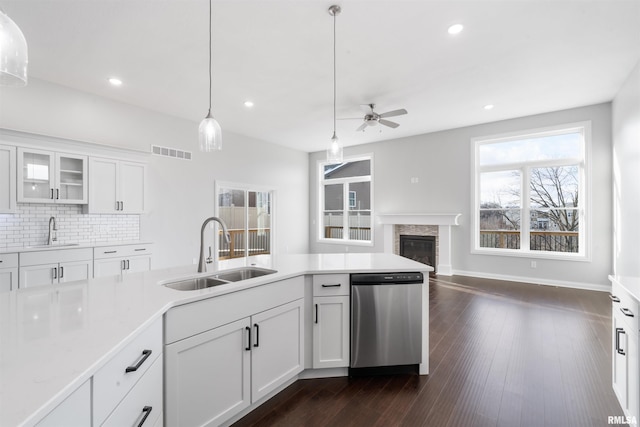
(444, 222)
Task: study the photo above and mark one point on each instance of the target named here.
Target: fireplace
(419, 248)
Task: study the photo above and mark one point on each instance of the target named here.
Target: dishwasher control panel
(386, 278)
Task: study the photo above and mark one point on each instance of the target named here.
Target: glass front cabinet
(50, 177)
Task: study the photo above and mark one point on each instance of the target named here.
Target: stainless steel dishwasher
(386, 319)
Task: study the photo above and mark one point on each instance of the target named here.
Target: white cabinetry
(50, 177)
(74, 411)
(7, 179)
(116, 186)
(625, 362)
(121, 259)
(49, 267)
(8, 272)
(244, 346)
(331, 321)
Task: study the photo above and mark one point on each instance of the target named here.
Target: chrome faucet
(227, 238)
(52, 231)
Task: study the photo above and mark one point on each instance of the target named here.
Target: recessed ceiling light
(455, 28)
(115, 81)
(488, 107)
(248, 104)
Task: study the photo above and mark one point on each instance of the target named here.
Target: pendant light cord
(334, 74)
(210, 56)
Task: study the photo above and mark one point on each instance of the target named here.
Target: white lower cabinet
(213, 375)
(51, 267)
(8, 272)
(122, 259)
(330, 321)
(74, 411)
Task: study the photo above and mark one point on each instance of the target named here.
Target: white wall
(441, 161)
(626, 176)
(181, 193)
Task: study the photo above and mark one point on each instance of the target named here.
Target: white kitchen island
(55, 339)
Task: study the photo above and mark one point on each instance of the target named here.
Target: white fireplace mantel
(444, 221)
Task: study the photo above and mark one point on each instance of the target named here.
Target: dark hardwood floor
(501, 354)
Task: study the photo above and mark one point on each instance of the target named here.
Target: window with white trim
(346, 201)
(531, 193)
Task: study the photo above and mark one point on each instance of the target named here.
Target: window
(247, 212)
(346, 201)
(530, 193)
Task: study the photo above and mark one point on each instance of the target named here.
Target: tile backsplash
(29, 226)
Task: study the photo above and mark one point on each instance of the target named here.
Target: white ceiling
(525, 57)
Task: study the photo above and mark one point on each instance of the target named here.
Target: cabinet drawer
(8, 260)
(122, 251)
(628, 306)
(144, 401)
(111, 383)
(55, 256)
(330, 284)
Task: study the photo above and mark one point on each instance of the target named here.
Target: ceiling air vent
(171, 152)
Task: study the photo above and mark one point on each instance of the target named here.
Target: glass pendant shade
(210, 134)
(13, 53)
(334, 152)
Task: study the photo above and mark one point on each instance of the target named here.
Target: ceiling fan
(371, 118)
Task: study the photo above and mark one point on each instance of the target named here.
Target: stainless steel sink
(220, 278)
(196, 283)
(53, 246)
(243, 274)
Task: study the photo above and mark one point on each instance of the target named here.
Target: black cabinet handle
(257, 344)
(110, 252)
(127, 264)
(316, 321)
(146, 411)
(57, 194)
(335, 285)
(117, 205)
(145, 356)
(626, 312)
(121, 206)
(122, 265)
(55, 272)
(61, 272)
(614, 298)
(52, 194)
(141, 249)
(248, 347)
(618, 349)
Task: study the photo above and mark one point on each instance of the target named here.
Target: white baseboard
(537, 281)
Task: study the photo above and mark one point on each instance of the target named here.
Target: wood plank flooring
(501, 354)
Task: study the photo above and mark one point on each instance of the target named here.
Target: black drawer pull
(146, 411)
(336, 285)
(614, 298)
(145, 356)
(626, 312)
(110, 252)
(142, 249)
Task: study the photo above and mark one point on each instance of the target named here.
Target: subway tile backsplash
(29, 226)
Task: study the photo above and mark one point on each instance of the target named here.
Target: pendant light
(13, 53)
(334, 151)
(209, 132)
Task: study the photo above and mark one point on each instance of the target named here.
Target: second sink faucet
(227, 238)
(52, 231)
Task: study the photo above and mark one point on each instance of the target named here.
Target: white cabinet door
(107, 267)
(331, 332)
(208, 376)
(8, 279)
(276, 348)
(138, 263)
(74, 411)
(38, 275)
(71, 179)
(633, 375)
(132, 187)
(36, 176)
(76, 270)
(103, 185)
(7, 179)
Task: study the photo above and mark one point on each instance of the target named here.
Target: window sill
(555, 256)
(346, 242)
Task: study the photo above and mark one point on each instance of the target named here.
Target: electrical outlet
(534, 264)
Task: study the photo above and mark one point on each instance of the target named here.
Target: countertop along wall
(180, 192)
(442, 163)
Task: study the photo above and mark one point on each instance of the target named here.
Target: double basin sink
(220, 278)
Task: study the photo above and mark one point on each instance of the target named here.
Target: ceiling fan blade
(393, 113)
(388, 123)
(367, 108)
(361, 127)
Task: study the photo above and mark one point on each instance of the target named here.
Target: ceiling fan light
(13, 53)
(335, 150)
(210, 134)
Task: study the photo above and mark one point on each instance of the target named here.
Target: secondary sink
(220, 278)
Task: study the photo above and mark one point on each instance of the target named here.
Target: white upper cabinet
(7, 179)
(50, 177)
(116, 186)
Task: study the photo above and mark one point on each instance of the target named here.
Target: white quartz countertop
(631, 284)
(53, 338)
(62, 246)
